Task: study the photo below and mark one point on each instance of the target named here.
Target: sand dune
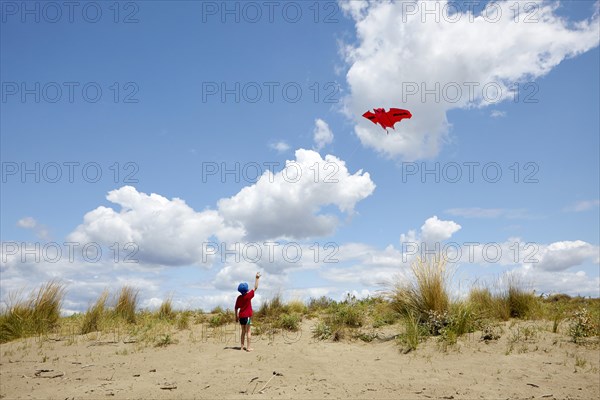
(207, 364)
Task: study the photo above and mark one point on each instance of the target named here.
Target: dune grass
(419, 307)
(166, 309)
(183, 320)
(487, 305)
(509, 298)
(127, 304)
(319, 304)
(424, 300)
(271, 309)
(296, 307)
(340, 317)
(220, 317)
(276, 314)
(522, 302)
(95, 314)
(425, 293)
(38, 314)
(413, 334)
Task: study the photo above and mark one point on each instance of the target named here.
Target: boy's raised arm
(256, 281)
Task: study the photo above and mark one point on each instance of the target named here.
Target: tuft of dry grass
(127, 303)
(316, 305)
(296, 307)
(271, 309)
(290, 322)
(223, 317)
(487, 305)
(36, 315)
(183, 322)
(217, 310)
(427, 292)
(511, 299)
(46, 306)
(166, 310)
(93, 317)
(382, 313)
(341, 318)
(14, 321)
(413, 333)
(522, 302)
(276, 314)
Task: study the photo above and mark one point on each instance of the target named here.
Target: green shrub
(165, 341)
(463, 318)
(413, 334)
(322, 331)
(319, 304)
(582, 326)
(217, 310)
(224, 317)
(290, 322)
(345, 314)
(296, 306)
(384, 314)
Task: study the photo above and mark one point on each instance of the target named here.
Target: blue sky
(168, 63)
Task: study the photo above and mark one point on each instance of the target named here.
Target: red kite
(387, 119)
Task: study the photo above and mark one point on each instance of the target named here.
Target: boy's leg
(248, 348)
(243, 336)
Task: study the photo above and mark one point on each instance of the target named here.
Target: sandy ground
(207, 364)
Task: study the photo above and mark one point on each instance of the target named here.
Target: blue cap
(243, 288)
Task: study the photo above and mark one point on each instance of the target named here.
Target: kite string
(353, 151)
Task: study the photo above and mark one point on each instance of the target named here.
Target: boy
(244, 304)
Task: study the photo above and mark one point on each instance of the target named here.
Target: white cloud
(322, 134)
(312, 292)
(280, 147)
(436, 230)
(30, 223)
(400, 49)
(167, 232)
(27, 223)
(478, 212)
(376, 267)
(230, 276)
(572, 283)
(559, 256)
(288, 204)
(497, 114)
(583, 205)
(356, 8)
